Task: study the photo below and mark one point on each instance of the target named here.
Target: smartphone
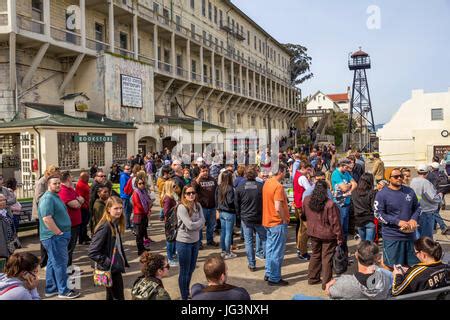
(399, 268)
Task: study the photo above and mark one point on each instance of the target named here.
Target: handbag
(104, 278)
(340, 260)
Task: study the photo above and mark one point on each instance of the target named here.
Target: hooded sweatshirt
(376, 286)
(17, 290)
(426, 193)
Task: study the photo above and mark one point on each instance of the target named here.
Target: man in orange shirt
(276, 220)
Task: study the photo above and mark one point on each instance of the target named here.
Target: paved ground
(293, 270)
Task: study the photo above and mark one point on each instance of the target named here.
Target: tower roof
(360, 53)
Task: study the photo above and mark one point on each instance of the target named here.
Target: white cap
(435, 165)
(200, 160)
(166, 162)
(422, 168)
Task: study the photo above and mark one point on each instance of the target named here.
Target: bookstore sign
(131, 91)
(94, 139)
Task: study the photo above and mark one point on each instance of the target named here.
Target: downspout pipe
(39, 151)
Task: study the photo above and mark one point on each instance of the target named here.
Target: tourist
(40, 187)
(21, 278)
(368, 282)
(377, 167)
(249, 207)
(440, 182)
(55, 234)
(276, 219)
(177, 175)
(356, 170)
(406, 172)
(343, 185)
(363, 198)
(124, 177)
(165, 176)
(397, 208)
(187, 176)
(170, 199)
(430, 273)
(99, 206)
(99, 181)
(225, 200)
(360, 160)
(216, 273)
(93, 170)
(11, 202)
(73, 203)
(8, 232)
(205, 187)
(190, 214)
(150, 170)
(83, 190)
(240, 179)
(114, 175)
(142, 205)
(149, 285)
(301, 184)
(429, 200)
(325, 233)
(106, 248)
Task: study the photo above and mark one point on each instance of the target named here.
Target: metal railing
(164, 67)
(146, 59)
(196, 77)
(124, 52)
(29, 24)
(228, 86)
(67, 36)
(96, 45)
(25, 190)
(182, 72)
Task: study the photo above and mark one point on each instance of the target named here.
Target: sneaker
(161, 218)
(230, 255)
(304, 257)
(446, 232)
(223, 254)
(266, 278)
(260, 257)
(52, 294)
(212, 244)
(72, 294)
(173, 263)
(280, 283)
(252, 269)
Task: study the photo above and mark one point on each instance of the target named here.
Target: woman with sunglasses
(190, 214)
(142, 205)
(149, 286)
(430, 273)
(21, 278)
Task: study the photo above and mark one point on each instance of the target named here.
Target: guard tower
(360, 105)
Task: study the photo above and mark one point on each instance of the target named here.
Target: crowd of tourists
(332, 199)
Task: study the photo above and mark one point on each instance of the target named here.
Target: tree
(300, 63)
(340, 126)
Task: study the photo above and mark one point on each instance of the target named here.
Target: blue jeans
(344, 213)
(187, 257)
(16, 219)
(426, 224)
(261, 233)
(161, 214)
(171, 249)
(367, 232)
(210, 222)
(275, 248)
(260, 245)
(438, 219)
(58, 256)
(227, 221)
(127, 211)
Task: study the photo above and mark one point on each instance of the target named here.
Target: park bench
(26, 221)
(436, 294)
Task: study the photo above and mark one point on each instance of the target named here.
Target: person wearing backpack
(170, 200)
(149, 286)
(324, 231)
(125, 195)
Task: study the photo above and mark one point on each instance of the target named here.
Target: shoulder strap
(8, 289)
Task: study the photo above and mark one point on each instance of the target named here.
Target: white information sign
(131, 91)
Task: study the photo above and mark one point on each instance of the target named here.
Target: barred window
(68, 151)
(120, 149)
(437, 114)
(96, 151)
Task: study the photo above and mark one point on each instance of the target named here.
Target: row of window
(201, 115)
(69, 150)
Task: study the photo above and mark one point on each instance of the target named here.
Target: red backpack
(128, 189)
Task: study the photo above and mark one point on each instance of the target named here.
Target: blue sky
(410, 50)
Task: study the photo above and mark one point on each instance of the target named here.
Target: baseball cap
(422, 168)
(200, 159)
(344, 161)
(435, 165)
(167, 162)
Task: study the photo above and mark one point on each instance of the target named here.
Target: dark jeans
(73, 242)
(141, 233)
(44, 256)
(16, 219)
(321, 260)
(127, 212)
(85, 217)
(187, 258)
(116, 291)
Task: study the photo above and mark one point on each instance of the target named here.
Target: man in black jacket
(249, 207)
(357, 169)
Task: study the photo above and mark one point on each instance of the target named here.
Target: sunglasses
(397, 176)
(191, 193)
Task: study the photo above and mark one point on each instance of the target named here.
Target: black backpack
(340, 260)
(171, 224)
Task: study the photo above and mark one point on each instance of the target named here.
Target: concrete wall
(408, 138)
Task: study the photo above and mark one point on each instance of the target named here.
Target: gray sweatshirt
(14, 289)
(378, 287)
(427, 195)
(189, 230)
